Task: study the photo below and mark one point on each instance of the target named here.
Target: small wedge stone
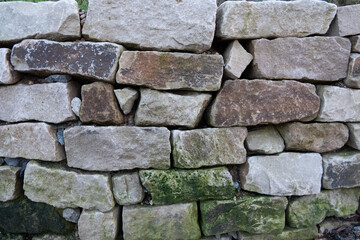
(7, 73)
(354, 135)
(236, 60)
(346, 21)
(72, 214)
(355, 43)
(353, 78)
(127, 188)
(10, 184)
(75, 106)
(126, 98)
(265, 140)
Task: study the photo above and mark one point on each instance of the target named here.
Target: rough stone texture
(174, 186)
(353, 77)
(354, 135)
(252, 102)
(127, 188)
(341, 169)
(218, 237)
(249, 20)
(10, 184)
(313, 58)
(52, 20)
(54, 237)
(310, 210)
(254, 214)
(58, 78)
(177, 221)
(236, 60)
(179, 25)
(265, 140)
(283, 174)
(99, 104)
(72, 214)
(332, 223)
(60, 187)
(208, 147)
(96, 225)
(314, 137)
(167, 71)
(346, 21)
(287, 234)
(7, 73)
(75, 106)
(115, 148)
(31, 141)
(170, 109)
(126, 98)
(82, 59)
(355, 43)
(40, 102)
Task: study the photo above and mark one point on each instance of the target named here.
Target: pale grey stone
(75, 106)
(236, 59)
(115, 148)
(266, 140)
(7, 73)
(126, 98)
(48, 236)
(353, 77)
(10, 184)
(127, 188)
(71, 214)
(354, 135)
(355, 43)
(346, 22)
(332, 223)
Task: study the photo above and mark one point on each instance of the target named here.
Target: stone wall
(178, 119)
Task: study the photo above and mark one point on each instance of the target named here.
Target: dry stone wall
(179, 120)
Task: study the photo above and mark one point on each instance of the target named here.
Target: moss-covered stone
(10, 183)
(287, 234)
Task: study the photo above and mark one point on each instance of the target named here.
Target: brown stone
(252, 102)
(353, 78)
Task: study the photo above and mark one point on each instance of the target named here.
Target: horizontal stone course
(355, 43)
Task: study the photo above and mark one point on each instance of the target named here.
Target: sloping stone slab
(346, 21)
(10, 184)
(354, 135)
(355, 43)
(7, 73)
(287, 234)
(266, 140)
(127, 188)
(353, 78)
(236, 60)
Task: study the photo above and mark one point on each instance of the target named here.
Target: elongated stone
(208, 147)
(287, 234)
(355, 43)
(301, 58)
(252, 102)
(127, 188)
(115, 148)
(266, 140)
(236, 60)
(81, 59)
(167, 71)
(354, 135)
(40, 102)
(175, 186)
(283, 174)
(353, 77)
(60, 187)
(333, 223)
(7, 73)
(346, 21)
(31, 141)
(10, 184)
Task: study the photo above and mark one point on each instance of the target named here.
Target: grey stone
(10, 184)
(127, 188)
(1, 161)
(355, 43)
(354, 135)
(59, 78)
(126, 98)
(346, 21)
(287, 234)
(332, 223)
(353, 77)
(54, 237)
(236, 60)
(72, 214)
(265, 140)
(75, 106)
(7, 73)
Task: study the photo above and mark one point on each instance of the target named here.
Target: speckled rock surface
(7, 73)
(355, 43)
(265, 140)
(353, 77)
(127, 188)
(236, 60)
(126, 98)
(346, 21)
(10, 184)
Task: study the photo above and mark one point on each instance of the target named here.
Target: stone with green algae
(10, 183)
(288, 233)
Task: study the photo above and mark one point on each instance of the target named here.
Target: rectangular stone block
(287, 234)
(7, 73)
(127, 188)
(346, 21)
(352, 79)
(10, 183)
(265, 140)
(355, 44)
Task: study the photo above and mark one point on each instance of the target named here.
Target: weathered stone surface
(218, 237)
(54, 237)
(7, 73)
(167, 71)
(115, 148)
(310, 210)
(58, 78)
(254, 214)
(287, 234)
(249, 20)
(75, 106)
(266, 140)
(236, 60)
(170, 109)
(208, 147)
(10, 184)
(252, 102)
(60, 187)
(332, 223)
(127, 188)
(52, 20)
(174, 186)
(314, 137)
(354, 135)
(346, 21)
(72, 214)
(82, 59)
(97, 225)
(312, 58)
(189, 27)
(31, 141)
(283, 174)
(126, 98)
(40, 102)
(341, 169)
(355, 43)
(177, 221)
(353, 77)
(99, 104)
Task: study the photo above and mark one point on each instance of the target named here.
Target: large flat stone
(166, 71)
(355, 44)
(177, 221)
(208, 147)
(236, 60)
(40, 102)
(51, 20)
(287, 234)
(313, 58)
(354, 135)
(61, 187)
(353, 77)
(31, 141)
(115, 148)
(81, 59)
(127, 188)
(249, 20)
(252, 102)
(10, 184)
(152, 24)
(7, 73)
(346, 21)
(265, 140)
(284, 174)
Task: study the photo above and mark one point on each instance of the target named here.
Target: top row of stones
(184, 25)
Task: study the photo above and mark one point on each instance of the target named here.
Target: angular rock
(249, 20)
(218, 237)
(208, 147)
(332, 223)
(353, 78)
(60, 187)
(126, 98)
(7, 73)
(354, 135)
(236, 60)
(177, 221)
(75, 106)
(99, 104)
(40, 102)
(253, 102)
(301, 58)
(72, 214)
(116, 148)
(52, 20)
(175, 186)
(168, 71)
(1, 161)
(355, 43)
(127, 188)
(190, 26)
(169, 109)
(341, 169)
(31, 141)
(98, 225)
(283, 174)
(81, 59)
(58, 78)
(265, 140)
(254, 214)
(314, 137)
(346, 21)
(287, 234)
(10, 184)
